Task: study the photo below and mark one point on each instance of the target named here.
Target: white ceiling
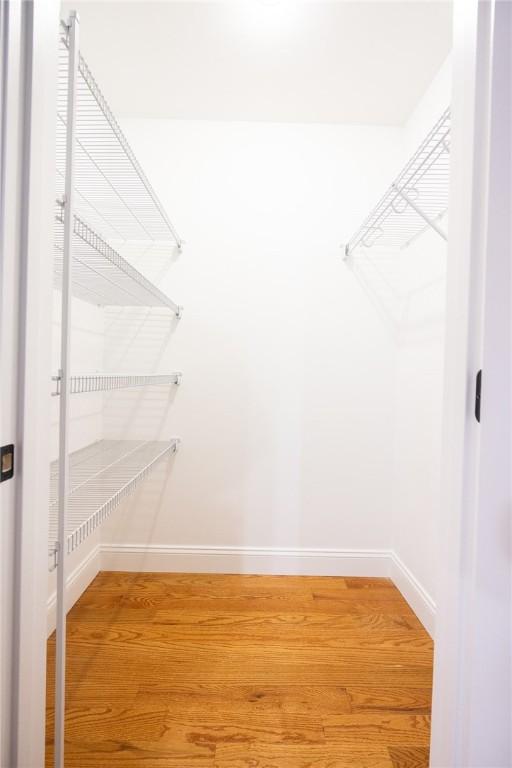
(272, 60)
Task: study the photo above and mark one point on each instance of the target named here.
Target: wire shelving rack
(104, 199)
(415, 201)
(100, 275)
(107, 382)
(100, 477)
(112, 191)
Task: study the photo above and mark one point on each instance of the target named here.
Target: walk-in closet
(247, 419)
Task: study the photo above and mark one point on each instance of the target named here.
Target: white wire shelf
(112, 191)
(100, 477)
(102, 382)
(417, 199)
(100, 275)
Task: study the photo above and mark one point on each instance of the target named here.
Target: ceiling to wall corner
(265, 60)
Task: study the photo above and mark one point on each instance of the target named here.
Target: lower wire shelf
(101, 475)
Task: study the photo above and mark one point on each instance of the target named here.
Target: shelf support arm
(418, 210)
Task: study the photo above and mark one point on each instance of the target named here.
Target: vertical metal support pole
(60, 658)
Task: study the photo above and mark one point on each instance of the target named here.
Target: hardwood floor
(220, 671)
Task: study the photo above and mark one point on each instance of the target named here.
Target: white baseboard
(259, 560)
(76, 583)
(418, 598)
(274, 560)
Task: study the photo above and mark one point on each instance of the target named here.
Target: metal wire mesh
(100, 275)
(98, 382)
(394, 223)
(100, 477)
(112, 191)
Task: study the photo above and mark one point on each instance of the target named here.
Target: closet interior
(309, 416)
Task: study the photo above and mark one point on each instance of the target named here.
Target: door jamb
(35, 46)
(453, 727)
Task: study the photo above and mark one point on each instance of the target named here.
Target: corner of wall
(414, 593)
(76, 583)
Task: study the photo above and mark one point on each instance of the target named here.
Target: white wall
(286, 407)
(419, 275)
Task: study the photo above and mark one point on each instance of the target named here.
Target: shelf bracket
(54, 554)
(57, 379)
(418, 210)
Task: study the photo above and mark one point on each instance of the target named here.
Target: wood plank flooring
(220, 671)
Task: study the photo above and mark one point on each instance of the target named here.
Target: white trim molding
(414, 593)
(76, 583)
(259, 560)
(274, 560)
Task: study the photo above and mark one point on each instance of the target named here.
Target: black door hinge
(478, 395)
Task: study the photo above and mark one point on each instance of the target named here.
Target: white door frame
(29, 78)
(472, 670)
(8, 341)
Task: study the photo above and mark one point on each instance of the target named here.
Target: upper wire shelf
(415, 201)
(112, 191)
(100, 275)
(100, 477)
(107, 382)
